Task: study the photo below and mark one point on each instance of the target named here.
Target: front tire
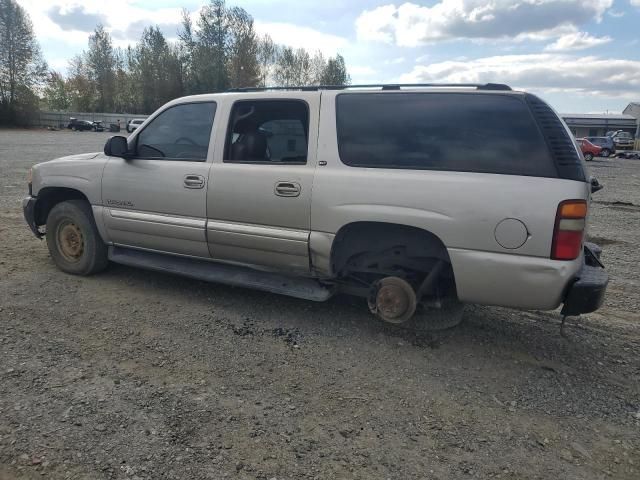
(588, 157)
(73, 239)
(605, 152)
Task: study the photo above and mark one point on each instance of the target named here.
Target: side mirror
(596, 186)
(117, 147)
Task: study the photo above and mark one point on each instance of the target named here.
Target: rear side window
(441, 131)
(268, 131)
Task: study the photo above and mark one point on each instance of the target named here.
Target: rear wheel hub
(393, 300)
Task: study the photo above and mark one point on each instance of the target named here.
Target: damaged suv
(390, 193)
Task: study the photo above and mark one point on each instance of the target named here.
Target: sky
(582, 56)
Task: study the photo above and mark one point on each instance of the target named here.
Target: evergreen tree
(100, 63)
(22, 69)
(244, 67)
(156, 71)
(79, 87)
(335, 73)
(56, 95)
(223, 51)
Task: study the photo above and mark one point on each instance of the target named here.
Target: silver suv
(416, 198)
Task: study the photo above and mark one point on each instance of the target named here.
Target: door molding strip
(158, 218)
(258, 230)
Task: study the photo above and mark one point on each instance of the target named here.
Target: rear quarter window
(441, 131)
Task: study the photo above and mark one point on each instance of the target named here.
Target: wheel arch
(49, 197)
(362, 236)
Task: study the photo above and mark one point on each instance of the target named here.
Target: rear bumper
(586, 293)
(29, 210)
(530, 283)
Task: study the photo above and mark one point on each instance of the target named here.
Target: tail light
(569, 230)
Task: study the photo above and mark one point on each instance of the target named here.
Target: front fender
(82, 173)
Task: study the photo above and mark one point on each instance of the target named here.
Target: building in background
(597, 125)
(633, 109)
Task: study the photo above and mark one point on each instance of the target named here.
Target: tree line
(219, 51)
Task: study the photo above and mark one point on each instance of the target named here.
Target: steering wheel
(187, 140)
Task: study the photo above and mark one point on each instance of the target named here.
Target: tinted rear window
(441, 131)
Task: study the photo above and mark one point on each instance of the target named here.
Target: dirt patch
(602, 241)
(140, 375)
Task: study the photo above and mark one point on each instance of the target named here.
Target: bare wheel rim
(395, 300)
(70, 241)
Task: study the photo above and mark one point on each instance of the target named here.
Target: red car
(589, 150)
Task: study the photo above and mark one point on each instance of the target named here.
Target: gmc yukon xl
(418, 198)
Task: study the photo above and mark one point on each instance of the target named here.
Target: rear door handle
(288, 189)
(193, 181)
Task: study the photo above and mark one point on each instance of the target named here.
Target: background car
(98, 126)
(606, 143)
(80, 125)
(589, 150)
(622, 139)
(134, 123)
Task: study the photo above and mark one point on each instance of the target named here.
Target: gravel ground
(139, 375)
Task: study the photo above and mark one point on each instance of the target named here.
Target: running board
(237, 276)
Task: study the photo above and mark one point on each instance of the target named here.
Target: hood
(81, 156)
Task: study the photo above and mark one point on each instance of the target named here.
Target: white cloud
(302, 37)
(411, 25)
(615, 13)
(549, 72)
(58, 64)
(361, 71)
(576, 41)
(635, 3)
(71, 21)
(395, 61)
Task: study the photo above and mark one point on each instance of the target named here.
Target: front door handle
(288, 189)
(193, 181)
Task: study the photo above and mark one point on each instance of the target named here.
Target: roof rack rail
(383, 86)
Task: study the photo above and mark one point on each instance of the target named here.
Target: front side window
(181, 132)
(484, 133)
(268, 131)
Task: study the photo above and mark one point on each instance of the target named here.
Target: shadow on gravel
(532, 335)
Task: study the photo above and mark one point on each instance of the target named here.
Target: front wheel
(588, 157)
(73, 239)
(605, 152)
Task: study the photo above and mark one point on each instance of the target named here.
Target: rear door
(260, 183)
(157, 200)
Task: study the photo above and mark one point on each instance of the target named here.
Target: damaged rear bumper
(586, 293)
(29, 210)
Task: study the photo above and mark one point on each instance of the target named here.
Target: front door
(157, 199)
(260, 194)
